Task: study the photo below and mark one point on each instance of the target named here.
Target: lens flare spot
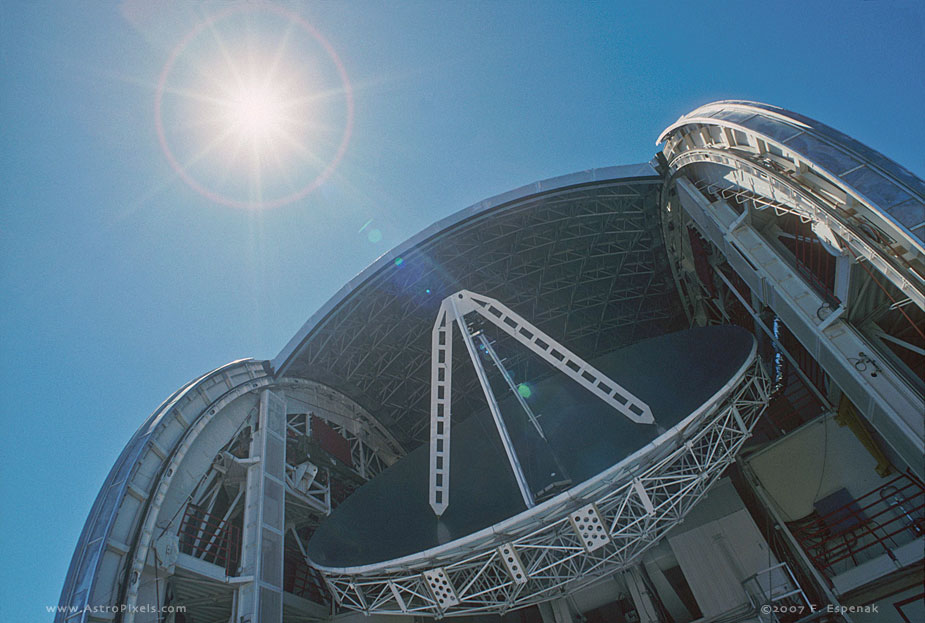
(374, 235)
(524, 390)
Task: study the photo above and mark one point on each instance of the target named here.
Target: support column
(495, 410)
(667, 593)
(843, 278)
(556, 611)
(645, 607)
(261, 599)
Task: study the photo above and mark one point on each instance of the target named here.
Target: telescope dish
(389, 518)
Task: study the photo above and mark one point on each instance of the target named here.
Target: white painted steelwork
(511, 561)
(582, 253)
(889, 403)
(579, 253)
(674, 472)
(381, 367)
(589, 527)
(556, 355)
(496, 415)
(799, 165)
(485, 344)
(452, 310)
(261, 599)
(136, 512)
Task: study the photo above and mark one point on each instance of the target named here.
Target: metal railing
(875, 523)
(776, 595)
(210, 538)
(303, 581)
(813, 261)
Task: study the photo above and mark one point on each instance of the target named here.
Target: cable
(825, 453)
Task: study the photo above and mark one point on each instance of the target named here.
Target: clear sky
(120, 281)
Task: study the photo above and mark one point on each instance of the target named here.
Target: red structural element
(301, 580)
(331, 441)
(701, 263)
(793, 405)
(813, 261)
(893, 300)
(210, 538)
(905, 602)
(875, 523)
(737, 313)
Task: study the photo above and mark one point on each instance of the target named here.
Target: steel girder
(869, 201)
(556, 547)
(585, 264)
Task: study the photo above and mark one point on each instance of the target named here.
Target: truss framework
(453, 310)
(879, 230)
(594, 529)
(585, 264)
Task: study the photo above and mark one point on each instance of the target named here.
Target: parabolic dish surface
(389, 517)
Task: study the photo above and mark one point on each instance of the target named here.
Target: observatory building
(684, 390)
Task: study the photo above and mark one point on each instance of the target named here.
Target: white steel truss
(817, 177)
(516, 564)
(454, 309)
(586, 265)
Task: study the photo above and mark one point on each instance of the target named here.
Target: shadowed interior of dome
(390, 517)
(584, 264)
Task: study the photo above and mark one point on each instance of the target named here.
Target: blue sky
(120, 282)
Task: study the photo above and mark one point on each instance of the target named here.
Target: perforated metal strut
(453, 310)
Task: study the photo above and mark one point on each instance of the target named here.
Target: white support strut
(453, 309)
(486, 345)
(495, 410)
(550, 549)
(441, 370)
(556, 355)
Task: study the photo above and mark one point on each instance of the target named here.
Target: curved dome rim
(571, 497)
(587, 178)
(897, 173)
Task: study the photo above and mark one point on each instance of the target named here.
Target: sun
(254, 108)
(258, 111)
(255, 112)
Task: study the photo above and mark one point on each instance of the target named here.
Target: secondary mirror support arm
(453, 309)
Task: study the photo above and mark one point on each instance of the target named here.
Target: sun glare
(254, 108)
(256, 119)
(255, 112)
